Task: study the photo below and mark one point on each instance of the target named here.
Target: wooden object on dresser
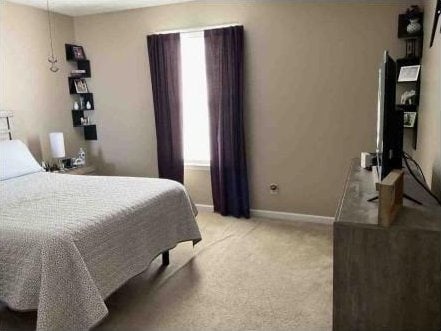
(386, 278)
(390, 197)
(86, 170)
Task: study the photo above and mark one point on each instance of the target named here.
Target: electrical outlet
(274, 188)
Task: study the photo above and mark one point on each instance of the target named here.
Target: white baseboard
(279, 215)
(205, 208)
(294, 217)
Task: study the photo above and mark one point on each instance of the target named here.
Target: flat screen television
(389, 120)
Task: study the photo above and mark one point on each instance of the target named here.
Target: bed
(67, 242)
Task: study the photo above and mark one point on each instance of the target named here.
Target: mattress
(67, 242)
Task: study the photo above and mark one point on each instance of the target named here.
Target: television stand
(408, 197)
(386, 278)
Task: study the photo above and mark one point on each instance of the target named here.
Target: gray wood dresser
(386, 278)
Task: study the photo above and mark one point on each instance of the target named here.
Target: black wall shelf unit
(82, 99)
(413, 43)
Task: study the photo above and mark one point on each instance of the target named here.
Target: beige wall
(428, 151)
(311, 90)
(39, 98)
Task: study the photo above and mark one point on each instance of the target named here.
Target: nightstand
(85, 170)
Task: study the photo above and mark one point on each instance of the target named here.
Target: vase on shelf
(88, 105)
(414, 26)
(76, 106)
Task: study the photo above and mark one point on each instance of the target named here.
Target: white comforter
(67, 242)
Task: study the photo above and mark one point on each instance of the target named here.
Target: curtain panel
(165, 70)
(224, 49)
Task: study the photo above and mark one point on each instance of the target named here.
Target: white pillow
(16, 160)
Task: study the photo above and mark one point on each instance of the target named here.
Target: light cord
(52, 59)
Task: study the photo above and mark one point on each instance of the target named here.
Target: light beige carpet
(245, 275)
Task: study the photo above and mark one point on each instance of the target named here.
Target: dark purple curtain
(224, 60)
(165, 71)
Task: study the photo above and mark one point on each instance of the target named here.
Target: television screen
(389, 120)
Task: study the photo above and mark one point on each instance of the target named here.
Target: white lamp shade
(57, 144)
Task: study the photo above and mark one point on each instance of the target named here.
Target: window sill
(196, 166)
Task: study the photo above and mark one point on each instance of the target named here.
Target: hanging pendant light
(51, 59)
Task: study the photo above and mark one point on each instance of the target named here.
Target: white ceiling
(88, 7)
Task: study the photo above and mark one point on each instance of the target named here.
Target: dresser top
(354, 207)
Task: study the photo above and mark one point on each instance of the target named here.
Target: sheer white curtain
(195, 100)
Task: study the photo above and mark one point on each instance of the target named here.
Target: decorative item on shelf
(78, 52)
(409, 119)
(413, 16)
(81, 85)
(409, 73)
(81, 102)
(88, 105)
(84, 120)
(78, 72)
(81, 159)
(414, 26)
(67, 163)
(45, 166)
(57, 147)
(408, 97)
(410, 24)
(411, 48)
(76, 106)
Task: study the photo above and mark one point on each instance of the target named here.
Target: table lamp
(57, 147)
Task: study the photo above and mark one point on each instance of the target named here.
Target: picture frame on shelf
(78, 52)
(409, 119)
(409, 73)
(81, 85)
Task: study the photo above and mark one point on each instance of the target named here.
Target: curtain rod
(196, 29)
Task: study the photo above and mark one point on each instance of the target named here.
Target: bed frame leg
(165, 258)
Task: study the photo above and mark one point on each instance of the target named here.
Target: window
(195, 100)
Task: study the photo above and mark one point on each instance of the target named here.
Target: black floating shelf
(408, 61)
(72, 89)
(76, 117)
(70, 53)
(407, 108)
(412, 82)
(90, 132)
(84, 65)
(403, 22)
(83, 125)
